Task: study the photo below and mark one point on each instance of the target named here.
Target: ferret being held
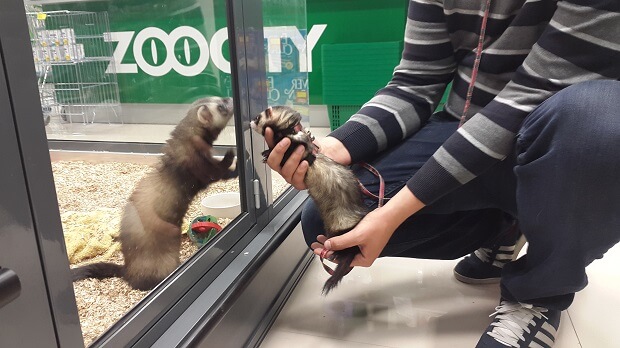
(150, 228)
(332, 186)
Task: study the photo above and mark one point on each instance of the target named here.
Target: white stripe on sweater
(526, 108)
(393, 112)
(480, 145)
(454, 167)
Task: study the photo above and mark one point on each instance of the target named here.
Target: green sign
(177, 51)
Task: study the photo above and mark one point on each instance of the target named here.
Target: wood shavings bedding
(90, 199)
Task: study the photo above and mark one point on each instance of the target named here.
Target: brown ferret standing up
(332, 186)
(150, 228)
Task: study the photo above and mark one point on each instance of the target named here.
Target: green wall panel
(352, 21)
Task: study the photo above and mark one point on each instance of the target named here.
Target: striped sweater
(532, 49)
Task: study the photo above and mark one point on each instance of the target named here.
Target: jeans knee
(584, 113)
(599, 99)
(311, 223)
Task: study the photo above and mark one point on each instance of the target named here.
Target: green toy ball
(203, 229)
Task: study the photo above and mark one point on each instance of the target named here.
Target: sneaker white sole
(467, 280)
(476, 281)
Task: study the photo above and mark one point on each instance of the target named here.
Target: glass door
(126, 88)
(287, 63)
(115, 89)
(117, 160)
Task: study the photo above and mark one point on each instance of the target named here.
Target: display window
(155, 189)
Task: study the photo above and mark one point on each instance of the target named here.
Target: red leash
(381, 198)
(474, 72)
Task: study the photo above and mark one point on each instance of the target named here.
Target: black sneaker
(484, 266)
(521, 325)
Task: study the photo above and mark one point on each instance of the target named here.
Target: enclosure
(76, 145)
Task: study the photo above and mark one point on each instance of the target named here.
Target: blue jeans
(562, 183)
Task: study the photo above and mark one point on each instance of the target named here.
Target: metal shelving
(74, 64)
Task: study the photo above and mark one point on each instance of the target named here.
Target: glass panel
(286, 57)
(128, 72)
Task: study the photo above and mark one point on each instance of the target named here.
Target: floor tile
(284, 339)
(595, 310)
(395, 303)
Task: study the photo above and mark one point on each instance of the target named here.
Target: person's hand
(334, 149)
(371, 235)
(374, 231)
(294, 169)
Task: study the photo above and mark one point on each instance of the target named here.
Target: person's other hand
(371, 235)
(294, 169)
(374, 231)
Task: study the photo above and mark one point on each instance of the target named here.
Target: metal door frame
(38, 182)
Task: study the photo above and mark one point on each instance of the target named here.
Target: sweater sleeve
(580, 43)
(406, 103)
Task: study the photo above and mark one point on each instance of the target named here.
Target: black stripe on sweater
(570, 48)
(606, 5)
(471, 23)
(437, 182)
(427, 53)
(421, 106)
(524, 79)
(491, 63)
(420, 80)
(359, 139)
(462, 149)
(479, 97)
(387, 121)
(535, 13)
(425, 13)
(505, 116)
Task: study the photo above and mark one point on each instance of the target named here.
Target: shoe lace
(512, 321)
(483, 254)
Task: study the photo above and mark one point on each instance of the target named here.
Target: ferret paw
(266, 154)
(232, 174)
(228, 159)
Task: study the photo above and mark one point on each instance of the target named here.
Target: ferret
(150, 228)
(333, 187)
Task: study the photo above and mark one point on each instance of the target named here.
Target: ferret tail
(344, 257)
(98, 270)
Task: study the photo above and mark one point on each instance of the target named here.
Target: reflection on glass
(286, 57)
(130, 72)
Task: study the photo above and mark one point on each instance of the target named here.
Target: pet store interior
(90, 94)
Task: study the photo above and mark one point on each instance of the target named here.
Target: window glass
(119, 73)
(286, 59)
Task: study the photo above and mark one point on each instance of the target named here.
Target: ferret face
(278, 118)
(215, 112)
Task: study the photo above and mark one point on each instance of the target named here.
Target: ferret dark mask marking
(285, 122)
(332, 186)
(150, 229)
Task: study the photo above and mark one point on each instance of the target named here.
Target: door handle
(10, 286)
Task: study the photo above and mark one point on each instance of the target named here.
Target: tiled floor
(417, 303)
